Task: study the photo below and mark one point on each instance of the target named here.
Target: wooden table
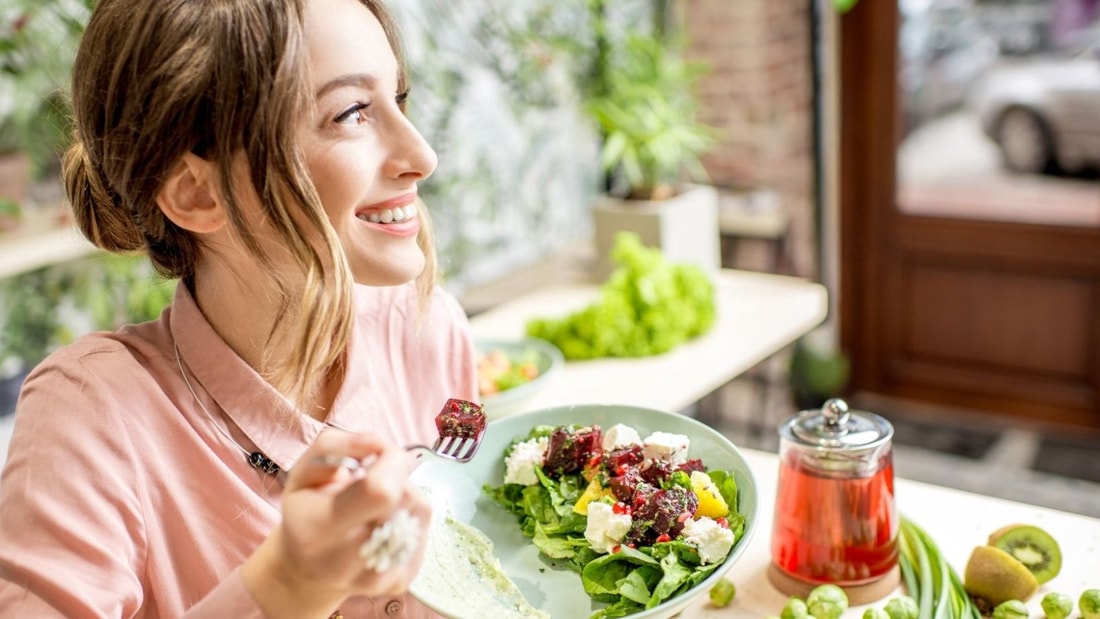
(758, 315)
(956, 520)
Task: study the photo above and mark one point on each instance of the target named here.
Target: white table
(43, 239)
(957, 521)
(758, 315)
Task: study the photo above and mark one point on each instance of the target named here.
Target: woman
(258, 151)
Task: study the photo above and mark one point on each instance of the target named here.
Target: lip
(401, 200)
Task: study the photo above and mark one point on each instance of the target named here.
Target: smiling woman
(265, 160)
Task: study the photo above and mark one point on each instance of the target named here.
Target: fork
(455, 448)
(449, 445)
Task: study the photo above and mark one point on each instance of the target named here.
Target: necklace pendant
(261, 462)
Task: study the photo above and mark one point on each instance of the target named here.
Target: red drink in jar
(835, 516)
(835, 529)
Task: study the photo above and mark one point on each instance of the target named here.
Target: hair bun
(98, 210)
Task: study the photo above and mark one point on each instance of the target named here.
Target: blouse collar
(269, 420)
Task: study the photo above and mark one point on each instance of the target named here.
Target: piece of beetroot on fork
(460, 419)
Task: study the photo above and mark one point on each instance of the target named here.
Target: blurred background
(934, 163)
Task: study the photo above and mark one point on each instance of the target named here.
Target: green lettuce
(628, 581)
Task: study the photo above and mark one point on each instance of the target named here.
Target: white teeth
(400, 213)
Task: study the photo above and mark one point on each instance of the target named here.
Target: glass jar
(835, 516)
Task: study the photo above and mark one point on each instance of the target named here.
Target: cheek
(342, 181)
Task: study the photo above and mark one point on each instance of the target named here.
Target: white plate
(557, 589)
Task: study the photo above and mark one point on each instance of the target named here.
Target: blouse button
(393, 607)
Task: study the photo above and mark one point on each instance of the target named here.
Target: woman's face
(364, 156)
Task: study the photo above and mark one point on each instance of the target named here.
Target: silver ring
(391, 543)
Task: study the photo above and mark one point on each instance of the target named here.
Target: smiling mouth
(390, 215)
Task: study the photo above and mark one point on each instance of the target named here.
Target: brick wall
(759, 95)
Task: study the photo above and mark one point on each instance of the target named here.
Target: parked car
(1044, 113)
(944, 50)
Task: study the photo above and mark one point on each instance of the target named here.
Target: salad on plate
(638, 519)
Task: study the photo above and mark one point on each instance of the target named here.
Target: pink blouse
(121, 497)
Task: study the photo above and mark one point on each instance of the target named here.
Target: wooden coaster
(857, 594)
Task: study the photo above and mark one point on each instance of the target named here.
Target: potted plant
(47, 307)
(643, 102)
(37, 45)
(818, 372)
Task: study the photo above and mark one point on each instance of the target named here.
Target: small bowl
(548, 360)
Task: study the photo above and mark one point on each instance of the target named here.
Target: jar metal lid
(834, 426)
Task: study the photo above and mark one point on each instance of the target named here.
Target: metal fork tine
(456, 449)
(446, 448)
(471, 449)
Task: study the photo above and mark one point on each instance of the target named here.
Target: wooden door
(980, 294)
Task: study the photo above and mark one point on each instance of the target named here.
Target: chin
(388, 273)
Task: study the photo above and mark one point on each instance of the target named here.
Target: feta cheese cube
(620, 435)
(672, 448)
(519, 465)
(712, 540)
(605, 528)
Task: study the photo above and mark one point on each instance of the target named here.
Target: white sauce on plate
(464, 576)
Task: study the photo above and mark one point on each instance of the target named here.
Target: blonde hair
(155, 79)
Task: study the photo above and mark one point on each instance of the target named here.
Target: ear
(188, 197)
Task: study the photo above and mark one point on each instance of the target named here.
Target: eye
(401, 99)
(353, 113)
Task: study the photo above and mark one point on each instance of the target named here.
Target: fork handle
(358, 466)
(343, 462)
(420, 448)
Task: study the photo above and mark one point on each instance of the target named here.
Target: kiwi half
(994, 576)
(1032, 546)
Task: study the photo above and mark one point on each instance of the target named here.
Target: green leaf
(843, 6)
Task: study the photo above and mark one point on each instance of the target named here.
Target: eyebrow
(359, 80)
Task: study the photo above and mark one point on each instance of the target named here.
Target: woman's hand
(311, 562)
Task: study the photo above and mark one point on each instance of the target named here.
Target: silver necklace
(256, 459)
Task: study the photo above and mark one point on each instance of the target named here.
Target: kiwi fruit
(1032, 546)
(996, 576)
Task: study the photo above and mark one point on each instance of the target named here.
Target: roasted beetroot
(461, 419)
(620, 459)
(656, 471)
(569, 449)
(626, 486)
(661, 513)
(695, 464)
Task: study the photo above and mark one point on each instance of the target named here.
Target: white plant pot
(684, 227)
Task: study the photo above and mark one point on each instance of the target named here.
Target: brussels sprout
(827, 602)
(875, 613)
(721, 594)
(1057, 605)
(1012, 609)
(795, 609)
(902, 607)
(1090, 604)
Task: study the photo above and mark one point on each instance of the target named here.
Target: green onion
(928, 577)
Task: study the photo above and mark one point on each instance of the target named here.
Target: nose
(410, 156)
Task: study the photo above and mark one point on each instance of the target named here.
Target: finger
(377, 493)
(383, 575)
(323, 462)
